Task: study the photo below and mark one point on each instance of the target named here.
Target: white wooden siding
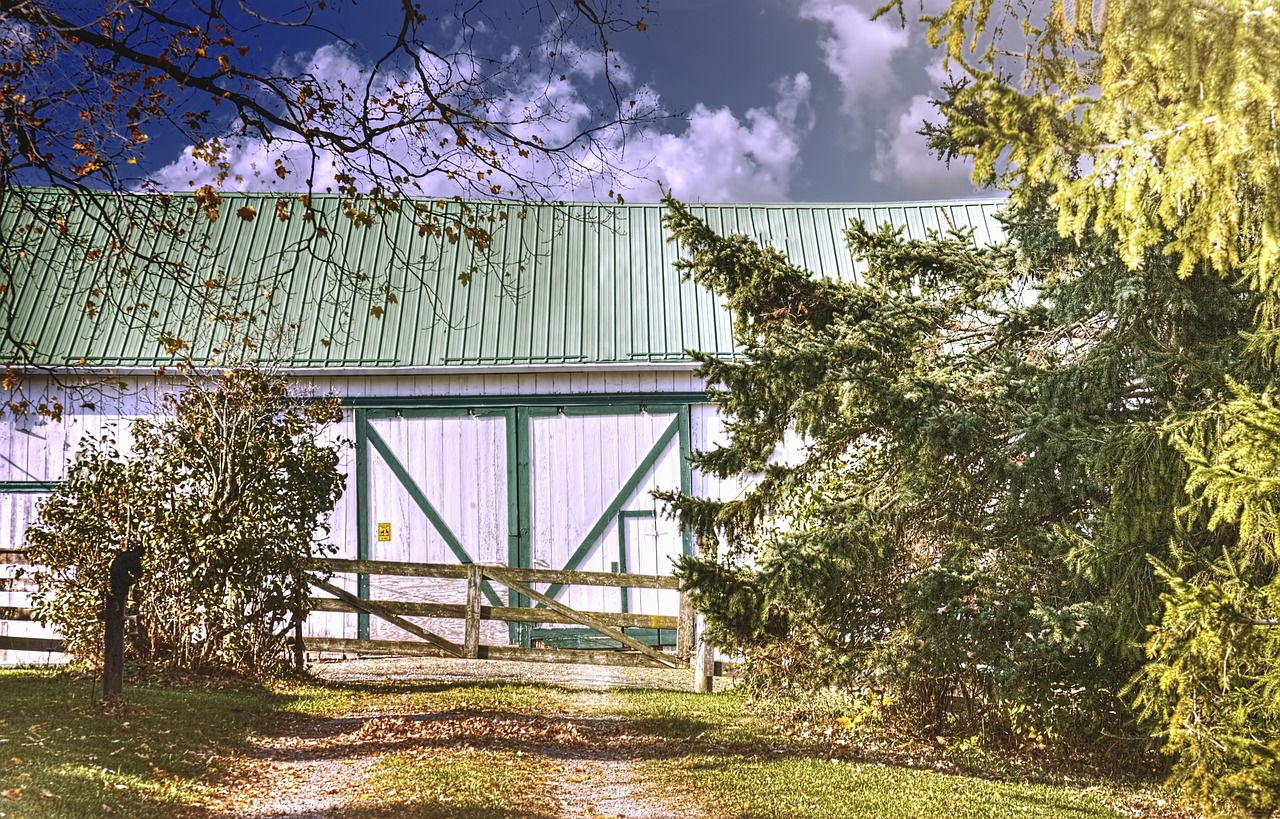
(460, 465)
(580, 463)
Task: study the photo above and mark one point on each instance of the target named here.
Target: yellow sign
(384, 532)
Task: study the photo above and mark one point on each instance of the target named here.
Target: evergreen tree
(1155, 121)
(990, 459)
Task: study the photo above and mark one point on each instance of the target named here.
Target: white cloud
(858, 51)
(720, 158)
(717, 157)
(903, 158)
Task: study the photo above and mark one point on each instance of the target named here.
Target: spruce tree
(991, 461)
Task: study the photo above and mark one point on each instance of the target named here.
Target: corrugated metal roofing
(104, 281)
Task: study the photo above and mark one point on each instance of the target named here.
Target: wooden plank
(459, 572)
(39, 644)
(471, 630)
(15, 613)
(456, 611)
(511, 653)
(585, 618)
(395, 567)
(566, 578)
(13, 557)
(370, 607)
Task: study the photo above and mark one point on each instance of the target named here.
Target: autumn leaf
(642, 26)
(247, 213)
(376, 311)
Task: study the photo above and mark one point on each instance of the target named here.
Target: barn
(513, 401)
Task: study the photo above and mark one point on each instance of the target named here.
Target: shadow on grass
(163, 748)
(409, 810)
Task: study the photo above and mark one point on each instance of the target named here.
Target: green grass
(805, 787)
(166, 748)
(733, 763)
(464, 783)
(171, 749)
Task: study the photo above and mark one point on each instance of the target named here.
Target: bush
(227, 495)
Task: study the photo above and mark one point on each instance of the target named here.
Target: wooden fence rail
(473, 612)
(633, 653)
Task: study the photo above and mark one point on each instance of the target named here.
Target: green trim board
(373, 413)
(604, 401)
(524, 512)
(686, 471)
(585, 638)
(362, 517)
(516, 632)
(624, 516)
(28, 487)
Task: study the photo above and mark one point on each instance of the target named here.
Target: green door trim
(624, 516)
(610, 512)
(362, 517)
(28, 487)
(686, 472)
(520, 513)
(614, 401)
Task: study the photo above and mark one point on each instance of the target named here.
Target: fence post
(471, 634)
(704, 663)
(299, 649)
(684, 630)
(113, 650)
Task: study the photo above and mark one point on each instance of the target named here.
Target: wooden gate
(476, 610)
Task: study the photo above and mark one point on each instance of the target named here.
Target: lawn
(470, 749)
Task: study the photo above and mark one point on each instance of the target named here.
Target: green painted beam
(457, 411)
(686, 471)
(615, 505)
(617, 401)
(514, 557)
(29, 487)
(362, 517)
(524, 512)
(588, 410)
(624, 516)
(420, 499)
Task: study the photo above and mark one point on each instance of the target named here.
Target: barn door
(437, 490)
(588, 504)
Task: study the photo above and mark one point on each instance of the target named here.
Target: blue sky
(764, 100)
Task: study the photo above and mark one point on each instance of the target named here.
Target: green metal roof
(98, 280)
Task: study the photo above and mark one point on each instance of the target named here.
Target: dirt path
(607, 788)
(322, 766)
